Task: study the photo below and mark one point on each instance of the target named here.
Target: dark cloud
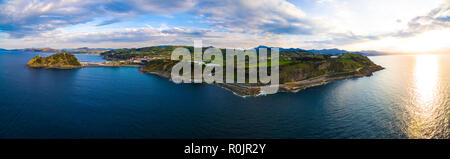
(278, 28)
(107, 22)
(118, 7)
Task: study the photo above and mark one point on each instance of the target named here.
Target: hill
(86, 50)
(61, 60)
(45, 50)
(333, 51)
(83, 50)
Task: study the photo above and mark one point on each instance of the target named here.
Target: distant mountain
(338, 52)
(333, 51)
(86, 49)
(323, 51)
(262, 47)
(281, 49)
(46, 50)
(329, 51)
(3, 49)
(82, 50)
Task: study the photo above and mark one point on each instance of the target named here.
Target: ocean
(408, 99)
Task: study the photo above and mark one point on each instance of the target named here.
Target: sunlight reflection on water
(424, 110)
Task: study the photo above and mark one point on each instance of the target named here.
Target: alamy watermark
(208, 66)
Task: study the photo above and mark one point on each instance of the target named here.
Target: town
(132, 62)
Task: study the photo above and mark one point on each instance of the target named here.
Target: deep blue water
(125, 103)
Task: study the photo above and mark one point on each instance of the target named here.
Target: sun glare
(428, 42)
(426, 74)
(422, 111)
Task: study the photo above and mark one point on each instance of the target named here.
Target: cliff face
(159, 67)
(345, 65)
(298, 69)
(62, 60)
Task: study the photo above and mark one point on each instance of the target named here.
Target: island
(59, 61)
(299, 69)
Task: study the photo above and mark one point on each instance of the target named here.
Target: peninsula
(299, 69)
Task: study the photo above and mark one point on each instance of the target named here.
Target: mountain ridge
(332, 51)
(87, 50)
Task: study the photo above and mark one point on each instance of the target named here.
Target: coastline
(54, 67)
(239, 89)
(245, 91)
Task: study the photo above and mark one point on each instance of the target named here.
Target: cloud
(272, 16)
(143, 37)
(133, 35)
(20, 18)
(107, 22)
(438, 18)
(234, 23)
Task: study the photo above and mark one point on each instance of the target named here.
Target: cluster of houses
(136, 60)
(142, 60)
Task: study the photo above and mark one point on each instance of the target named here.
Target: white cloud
(274, 16)
(438, 18)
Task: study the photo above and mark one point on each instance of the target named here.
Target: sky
(396, 26)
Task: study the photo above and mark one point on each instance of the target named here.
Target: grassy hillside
(346, 64)
(154, 51)
(62, 60)
(297, 67)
